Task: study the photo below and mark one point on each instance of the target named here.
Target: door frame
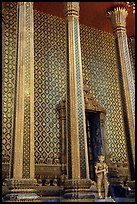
(91, 105)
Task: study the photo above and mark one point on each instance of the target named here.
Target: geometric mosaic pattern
(8, 77)
(100, 72)
(49, 84)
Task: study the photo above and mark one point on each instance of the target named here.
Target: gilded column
(77, 154)
(118, 18)
(22, 159)
(3, 30)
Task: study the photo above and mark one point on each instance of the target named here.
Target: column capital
(118, 15)
(21, 3)
(24, 3)
(72, 9)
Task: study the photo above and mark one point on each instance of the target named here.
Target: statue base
(21, 190)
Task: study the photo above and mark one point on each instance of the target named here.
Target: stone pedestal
(78, 190)
(130, 189)
(21, 190)
(21, 197)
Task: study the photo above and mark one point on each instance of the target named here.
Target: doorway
(94, 140)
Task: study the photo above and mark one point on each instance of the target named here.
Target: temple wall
(99, 70)
(8, 78)
(50, 83)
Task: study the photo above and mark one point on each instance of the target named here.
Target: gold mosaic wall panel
(99, 69)
(100, 72)
(49, 83)
(8, 77)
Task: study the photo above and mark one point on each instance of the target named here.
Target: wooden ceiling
(91, 14)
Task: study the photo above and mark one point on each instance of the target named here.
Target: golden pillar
(22, 183)
(3, 32)
(118, 19)
(77, 154)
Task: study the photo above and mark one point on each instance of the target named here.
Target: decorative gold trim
(118, 17)
(71, 9)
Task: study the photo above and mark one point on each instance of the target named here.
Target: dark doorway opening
(94, 140)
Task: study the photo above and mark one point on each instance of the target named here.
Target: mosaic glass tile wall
(8, 77)
(100, 72)
(99, 69)
(50, 83)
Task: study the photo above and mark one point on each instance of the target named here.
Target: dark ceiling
(91, 14)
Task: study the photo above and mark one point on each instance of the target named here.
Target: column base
(78, 189)
(130, 189)
(105, 200)
(21, 190)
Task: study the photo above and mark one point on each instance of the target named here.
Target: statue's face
(101, 158)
